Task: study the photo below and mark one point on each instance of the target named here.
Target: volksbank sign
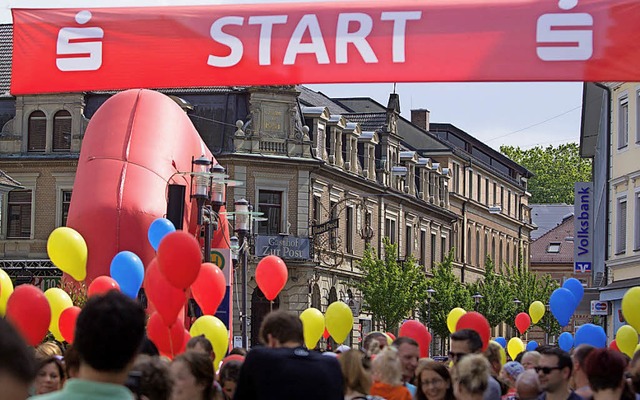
(583, 227)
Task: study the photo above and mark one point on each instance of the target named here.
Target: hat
(513, 369)
(342, 348)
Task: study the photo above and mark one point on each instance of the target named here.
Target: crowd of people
(112, 359)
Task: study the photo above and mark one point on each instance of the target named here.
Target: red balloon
(209, 288)
(271, 276)
(67, 323)
(186, 338)
(29, 311)
(613, 345)
(179, 258)
(477, 322)
(326, 334)
(523, 322)
(168, 340)
(166, 299)
(391, 335)
(102, 285)
(418, 332)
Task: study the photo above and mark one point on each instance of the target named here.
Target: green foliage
(450, 293)
(497, 297)
(390, 290)
(556, 169)
(528, 287)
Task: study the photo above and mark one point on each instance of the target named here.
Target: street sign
(325, 226)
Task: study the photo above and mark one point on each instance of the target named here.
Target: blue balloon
(158, 230)
(127, 269)
(562, 304)
(501, 341)
(575, 287)
(565, 341)
(591, 334)
(532, 345)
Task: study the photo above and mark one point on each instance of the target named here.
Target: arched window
(469, 242)
(500, 256)
(62, 131)
(37, 134)
(508, 253)
(493, 250)
(486, 247)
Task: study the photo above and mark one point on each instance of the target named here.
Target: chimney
(420, 118)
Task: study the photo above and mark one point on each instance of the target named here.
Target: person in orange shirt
(387, 376)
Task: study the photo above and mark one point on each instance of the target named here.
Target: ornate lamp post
(477, 297)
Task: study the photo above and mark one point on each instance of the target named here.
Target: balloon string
(270, 305)
(173, 354)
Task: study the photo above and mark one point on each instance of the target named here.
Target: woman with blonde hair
(471, 377)
(355, 365)
(387, 376)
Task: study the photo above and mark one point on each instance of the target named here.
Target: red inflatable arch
(134, 147)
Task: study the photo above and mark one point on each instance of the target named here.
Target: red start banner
(67, 50)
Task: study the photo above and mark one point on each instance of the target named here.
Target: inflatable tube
(136, 144)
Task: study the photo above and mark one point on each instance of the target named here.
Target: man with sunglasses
(554, 371)
(468, 341)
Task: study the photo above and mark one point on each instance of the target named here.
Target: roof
(6, 50)
(561, 235)
(369, 121)
(622, 284)
(309, 97)
(8, 182)
(547, 217)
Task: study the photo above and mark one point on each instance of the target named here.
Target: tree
(528, 287)
(450, 293)
(555, 171)
(497, 296)
(390, 290)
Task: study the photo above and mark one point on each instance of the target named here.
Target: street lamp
(477, 297)
(430, 292)
(546, 333)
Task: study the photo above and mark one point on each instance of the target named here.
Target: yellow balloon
(536, 311)
(630, 308)
(627, 339)
(6, 288)
(453, 317)
(515, 347)
(214, 330)
(59, 301)
(503, 353)
(312, 326)
(339, 321)
(637, 348)
(68, 251)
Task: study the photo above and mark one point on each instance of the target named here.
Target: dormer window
(554, 247)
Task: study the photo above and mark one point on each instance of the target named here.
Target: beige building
(623, 251)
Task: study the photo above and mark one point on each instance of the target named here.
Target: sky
(517, 114)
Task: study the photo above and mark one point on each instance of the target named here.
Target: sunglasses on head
(546, 370)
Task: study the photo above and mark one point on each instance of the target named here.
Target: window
(621, 225)
(333, 238)
(508, 202)
(443, 247)
(37, 135)
(349, 230)
(423, 248)
(469, 243)
(623, 122)
(486, 246)
(390, 229)
(433, 249)
(470, 194)
(456, 177)
(495, 194)
(502, 199)
(508, 254)
(479, 182)
(62, 131)
(19, 211)
(493, 250)
(270, 205)
(478, 248)
(317, 209)
(66, 202)
(486, 191)
(408, 241)
(554, 247)
(500, 255)
(637, 223)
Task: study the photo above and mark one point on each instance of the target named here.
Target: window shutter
(37, 135)
(62, 131)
